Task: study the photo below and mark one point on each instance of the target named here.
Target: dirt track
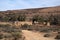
(30, 35)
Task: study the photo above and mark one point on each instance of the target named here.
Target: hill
(31, 12)
(46, 10)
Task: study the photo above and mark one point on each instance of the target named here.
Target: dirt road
(30, 35)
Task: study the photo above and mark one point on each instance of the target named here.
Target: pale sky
(24, 4)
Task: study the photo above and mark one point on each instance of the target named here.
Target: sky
(26, 4)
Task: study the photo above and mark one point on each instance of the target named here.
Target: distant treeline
(12, 17)
(53, 19)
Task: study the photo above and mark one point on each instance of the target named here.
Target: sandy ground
(30, 35)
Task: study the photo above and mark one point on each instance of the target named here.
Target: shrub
(57, 37)
(1, 36)
(58, 32)
(25, 26)
(17, 35)
(44, 30)
(47, 35)
(21, 18)
(7, 36)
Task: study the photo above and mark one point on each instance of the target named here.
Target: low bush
(57, 37)
(25, 26)
(1, 36)
(58, 32)
(47, 35)
(10, 32)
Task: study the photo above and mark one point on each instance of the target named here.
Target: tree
(38, 18)
(5, 18)
(53, 19)
(21, 18)
(13, 17)
(58, 17)
(35, 18)
(41, 19)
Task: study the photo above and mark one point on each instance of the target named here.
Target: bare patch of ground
(30, 35)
